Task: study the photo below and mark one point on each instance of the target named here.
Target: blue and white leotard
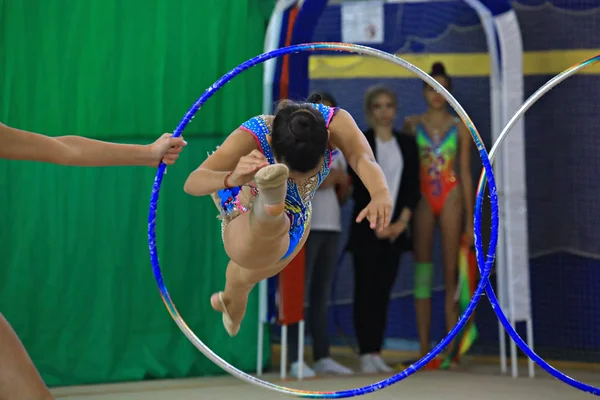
(299, 196)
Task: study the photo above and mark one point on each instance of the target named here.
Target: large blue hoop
(484, 267)
(477, 225)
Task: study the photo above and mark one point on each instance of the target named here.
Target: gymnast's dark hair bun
(302, 123)
(438, 69)
(299, 136)
(315, 97)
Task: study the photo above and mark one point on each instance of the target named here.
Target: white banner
(512, 155)
(362, 22)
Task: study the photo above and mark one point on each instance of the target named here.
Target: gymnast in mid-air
(19, 379)
(263, 178)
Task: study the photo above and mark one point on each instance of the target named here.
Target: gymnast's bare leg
(255, 241)
(296, 143)
(19, 379)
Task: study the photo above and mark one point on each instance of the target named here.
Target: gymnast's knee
(423, 280)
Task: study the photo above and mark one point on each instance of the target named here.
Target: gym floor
(476, 379)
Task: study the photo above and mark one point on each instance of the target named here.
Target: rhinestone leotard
(299, 195)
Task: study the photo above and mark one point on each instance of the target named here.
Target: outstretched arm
(16, 144)
(345, 134)
(210, 176)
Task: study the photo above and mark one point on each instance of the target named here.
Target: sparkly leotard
(438, 174)
(299, 195)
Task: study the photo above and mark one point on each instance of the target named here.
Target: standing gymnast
(263, 178)
(19, 379)
(446, 196)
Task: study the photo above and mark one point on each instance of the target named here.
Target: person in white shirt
(322, 251)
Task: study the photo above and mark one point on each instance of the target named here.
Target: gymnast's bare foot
(272, 184)
(233, 309)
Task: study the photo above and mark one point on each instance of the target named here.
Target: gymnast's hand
(166, 149)
(247, 167)
(379, 211)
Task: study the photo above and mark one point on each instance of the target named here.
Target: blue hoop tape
(477, 226)
(484, 267)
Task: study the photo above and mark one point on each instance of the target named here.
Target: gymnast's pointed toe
(218, 303)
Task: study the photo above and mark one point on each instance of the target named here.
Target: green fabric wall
(75, 277)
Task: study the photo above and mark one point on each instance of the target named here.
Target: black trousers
(322, 252)
(374, 275)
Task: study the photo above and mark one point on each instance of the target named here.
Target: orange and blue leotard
(437, 159)
(298, 199)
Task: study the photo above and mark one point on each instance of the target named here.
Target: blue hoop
(478, 211)
(485, 268)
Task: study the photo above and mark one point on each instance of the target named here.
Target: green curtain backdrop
(116, 69)
(75, 277)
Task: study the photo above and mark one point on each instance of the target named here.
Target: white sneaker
(380, 364)
(307, 372)
(367, 365)
(329, 366)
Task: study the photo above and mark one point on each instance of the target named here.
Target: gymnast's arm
(210, 176)
(345, 134)
(16, 144)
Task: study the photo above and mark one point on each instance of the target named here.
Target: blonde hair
(371, 94)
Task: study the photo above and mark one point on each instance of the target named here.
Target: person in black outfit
(376, 255)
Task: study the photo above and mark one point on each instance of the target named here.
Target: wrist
(400, 224)
(381, 192)
(147, 156)
(229, 180)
